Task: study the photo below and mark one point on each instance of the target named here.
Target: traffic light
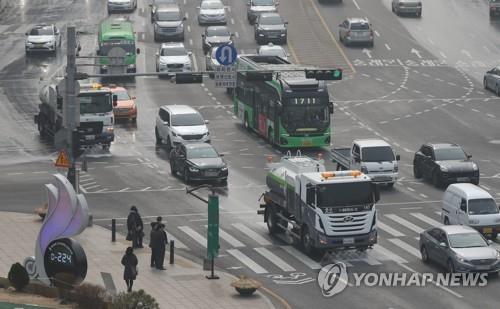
(324, 74)
(259, 76)
(76, 150)
(188, 78)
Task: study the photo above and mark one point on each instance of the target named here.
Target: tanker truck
(319, 209)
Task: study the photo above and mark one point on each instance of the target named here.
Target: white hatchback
(43, 38)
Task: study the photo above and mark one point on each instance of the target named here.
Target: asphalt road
(422, 81)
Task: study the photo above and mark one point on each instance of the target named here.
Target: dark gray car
(492, 80)
(459, 248)
(215, 36)
(156, 3)
(168, 23)
(270, 27)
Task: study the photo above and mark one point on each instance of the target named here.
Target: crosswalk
(249, 246)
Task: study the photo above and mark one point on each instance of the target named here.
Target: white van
(468, 204)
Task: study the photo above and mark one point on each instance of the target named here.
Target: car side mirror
(490, 241)
(249, 3)
(184, 18)
(357, 159)
(443, 245)
(138, 51)
(198, 7)
(398, 157)
(221, 154)
(277, 3)
(182, 156)
(341, 26)
(286, 23)
(150, 5)
(330, 107)
(133, 97)
(207, 122)
(157, 54)
(79, 48)
(190, 53)
(203, 36)
(166, 123)
(26, 33)
(231, 35)
(469, 156)
(115, 98)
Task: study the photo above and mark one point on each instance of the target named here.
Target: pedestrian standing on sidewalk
(154, 226)
(129, 261)
(135, 228)
(162, 245)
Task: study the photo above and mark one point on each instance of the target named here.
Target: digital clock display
(65, 256)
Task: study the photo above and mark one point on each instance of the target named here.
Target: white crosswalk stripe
(426, 219)
(408, 248)
(276, 260)
(240, 256)
(384, 227)
(302, 257)
(230, 239)
(252, 234)
(194, 235)
(382, 254)
(405, 223)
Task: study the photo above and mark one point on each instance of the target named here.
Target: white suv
(43, 38)
(180, 124)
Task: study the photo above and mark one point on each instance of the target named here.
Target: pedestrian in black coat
(135, 228)
(153, 227)
(129, 261)
(162, 245)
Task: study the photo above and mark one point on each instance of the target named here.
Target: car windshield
(211, 5)
(377, 154)
(217, 31)
(95, 103)
(42, 31)
(360, 26)
(174, 51)
(344, 194)
(305, 118)
(273, 52)
(262, 2)
(270, 20)
(467, 240)
(201, 152)
(453, 153)
(168, 16)
(482, 206)
(122, 95)
(187, 120)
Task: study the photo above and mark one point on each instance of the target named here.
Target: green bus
(116, 40)
(290, 111)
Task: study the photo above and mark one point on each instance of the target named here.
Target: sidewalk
(182, 285)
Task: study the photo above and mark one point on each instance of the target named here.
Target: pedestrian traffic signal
(188, 78)
(324, 74)
(259, 76)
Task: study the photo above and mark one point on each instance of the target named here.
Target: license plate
(348, 241)
(307, 143)
(487, 230)
(482, 267)
(462, 179)
(211, 174)
(39, 45)
(90, 137)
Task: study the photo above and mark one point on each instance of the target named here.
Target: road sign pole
(213, 232)
(69, 102)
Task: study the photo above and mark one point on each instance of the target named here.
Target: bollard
(113, 230)
(171, 252)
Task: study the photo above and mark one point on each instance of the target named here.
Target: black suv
(198, 161)
(270, 27)
(444, 163)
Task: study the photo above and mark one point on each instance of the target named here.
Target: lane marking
(356, 4)
(386, 228)
(332, 37)
(405, 223)
(401, 244)
(301, 257)
(230, 239)
(276, 260)
(256, 268)
(252, 234)
(194, 235)
(383, 254)
(387, 46)
(426, 219)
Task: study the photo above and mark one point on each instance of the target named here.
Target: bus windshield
(95, 103)
(127, 46)
(303, 115)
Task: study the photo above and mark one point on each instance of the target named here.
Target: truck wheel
(105, 147)
(417, 173)
(307, 243)
(446, 221)
(435, 180)
(272, 220)
(187, 180)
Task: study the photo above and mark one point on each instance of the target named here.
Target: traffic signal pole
(71, 112)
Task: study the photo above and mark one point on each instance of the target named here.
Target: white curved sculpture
(67, 216)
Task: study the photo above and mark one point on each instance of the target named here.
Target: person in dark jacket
(154, 226)
(135, 227)
(162, 245)
(129, 261)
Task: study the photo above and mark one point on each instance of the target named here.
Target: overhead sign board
(225, 76)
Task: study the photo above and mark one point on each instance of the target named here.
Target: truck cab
(373, 157)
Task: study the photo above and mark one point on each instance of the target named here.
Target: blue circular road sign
(226, 54)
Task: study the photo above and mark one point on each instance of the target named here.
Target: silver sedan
(212, 12)
(459, 248)
(492, 80)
